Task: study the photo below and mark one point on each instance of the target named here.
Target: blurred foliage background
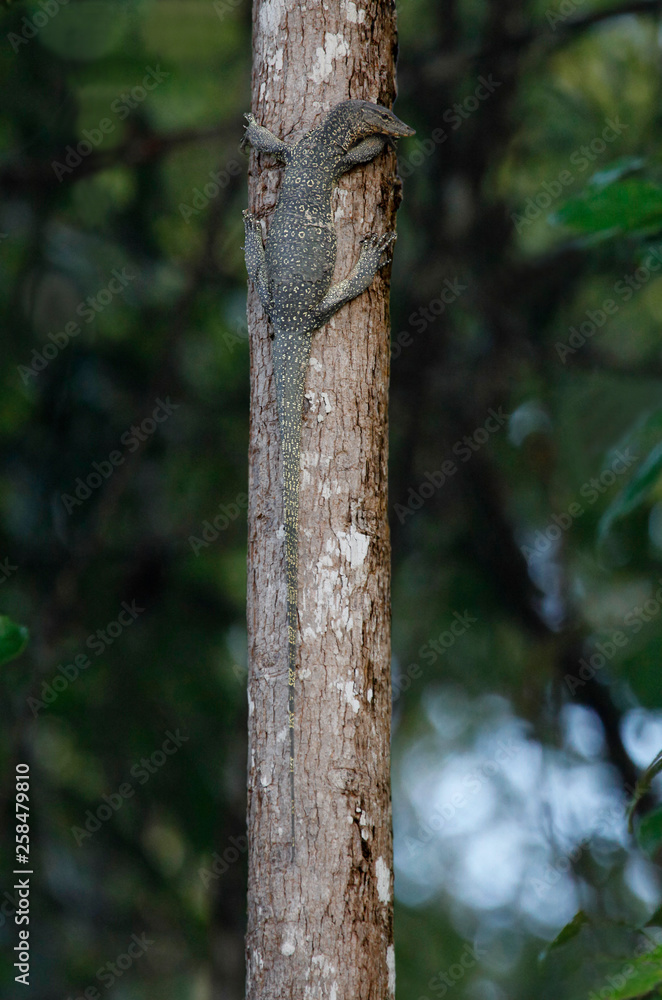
(526, 496)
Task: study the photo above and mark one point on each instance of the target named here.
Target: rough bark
(323, 926)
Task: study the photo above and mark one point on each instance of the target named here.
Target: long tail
(291, 352)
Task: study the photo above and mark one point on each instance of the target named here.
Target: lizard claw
(251, 222)
(250, 118)
(376, 246)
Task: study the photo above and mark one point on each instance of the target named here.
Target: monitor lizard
(292, 274)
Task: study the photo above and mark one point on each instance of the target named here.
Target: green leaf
(645, 432)
(643, 786)
(636, 977)
(13, 639)
(627, 205)
(634, 493)
(615, 170)
(649, 832)
(566, 933)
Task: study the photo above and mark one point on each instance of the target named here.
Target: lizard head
(357, 120)
(376, 119)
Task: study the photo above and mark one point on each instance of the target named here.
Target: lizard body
(293, 273)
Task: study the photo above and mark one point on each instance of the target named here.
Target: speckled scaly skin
(293, 279)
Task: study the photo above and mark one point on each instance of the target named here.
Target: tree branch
(27, 175)
(450, 66)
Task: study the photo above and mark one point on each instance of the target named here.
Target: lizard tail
(291, 498)
(291, 353)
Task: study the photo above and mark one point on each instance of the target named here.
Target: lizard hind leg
(373, 256)
(256, 261)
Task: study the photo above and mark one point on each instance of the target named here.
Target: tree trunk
(322, 926)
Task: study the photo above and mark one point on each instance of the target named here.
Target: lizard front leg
(371, 258)
(362, 152)
(263, 141)
(256, 261)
